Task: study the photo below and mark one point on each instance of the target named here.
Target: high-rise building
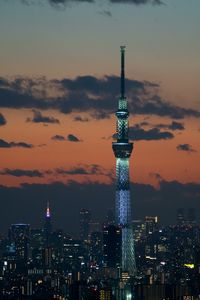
(112, 240)
(36, 245)
(57, 245)
(105, 293)
(20, 238)
(180, 216)
(75, 291)
(138, 229)
(110, 217)
(94, 227)
(96, 248)
(47, 259)
(191, 216)
(85, 218)
(151, 223)
(122, 150)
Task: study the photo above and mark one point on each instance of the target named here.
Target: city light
(190, 266)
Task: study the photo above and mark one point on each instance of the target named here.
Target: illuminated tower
(47, 250)
(122, 150)
(47, 226)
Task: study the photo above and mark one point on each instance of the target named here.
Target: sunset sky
(59, 87)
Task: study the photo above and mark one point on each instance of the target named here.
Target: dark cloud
(58, 4)
(73, 138)
(185, 147)
(20, 173)
(58, 137)
(27, 203)
(3, 82)
(136, 133)
(154, 105)
(61, 4)
(5, 144)
(156, 176)
(173, 126)
(105, 13)
(144, 123)
(92, 169)
(176, 126)
(2, 120)
(137, 2)
(74, 171)
(24, 92)
(39, 118)
(80, 119)
(70, 138)
(87, 94)
(99, 97)
(99, 115)
(94, 85)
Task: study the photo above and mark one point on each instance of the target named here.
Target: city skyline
(59, 86)
(45, 263)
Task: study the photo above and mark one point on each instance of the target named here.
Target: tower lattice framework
(122, 149)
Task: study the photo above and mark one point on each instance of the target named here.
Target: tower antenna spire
(48, 213)
(122, 71)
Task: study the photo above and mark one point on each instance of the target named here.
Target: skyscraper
(180, 216)
(122, 150)
(112, 246)
(20, 236)
(191, 216)
(151, 224)
(85, 218)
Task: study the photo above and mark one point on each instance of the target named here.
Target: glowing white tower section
(122, 150)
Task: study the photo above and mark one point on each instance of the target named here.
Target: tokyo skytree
(122, 149)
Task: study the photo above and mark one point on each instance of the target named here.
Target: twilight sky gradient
(59, 66)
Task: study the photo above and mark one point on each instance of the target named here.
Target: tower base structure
(128, 251)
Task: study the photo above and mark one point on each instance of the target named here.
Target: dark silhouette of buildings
(85, 219)
(168, 263)
(112, 246)
(19, 235)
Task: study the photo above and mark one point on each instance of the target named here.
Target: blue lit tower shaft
(122, 150)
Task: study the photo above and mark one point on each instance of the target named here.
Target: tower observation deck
(122, 149)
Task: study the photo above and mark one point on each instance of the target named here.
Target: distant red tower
(47, 226)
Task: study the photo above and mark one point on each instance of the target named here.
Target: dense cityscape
(99, 150)
(122, 259)
(45, 263)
